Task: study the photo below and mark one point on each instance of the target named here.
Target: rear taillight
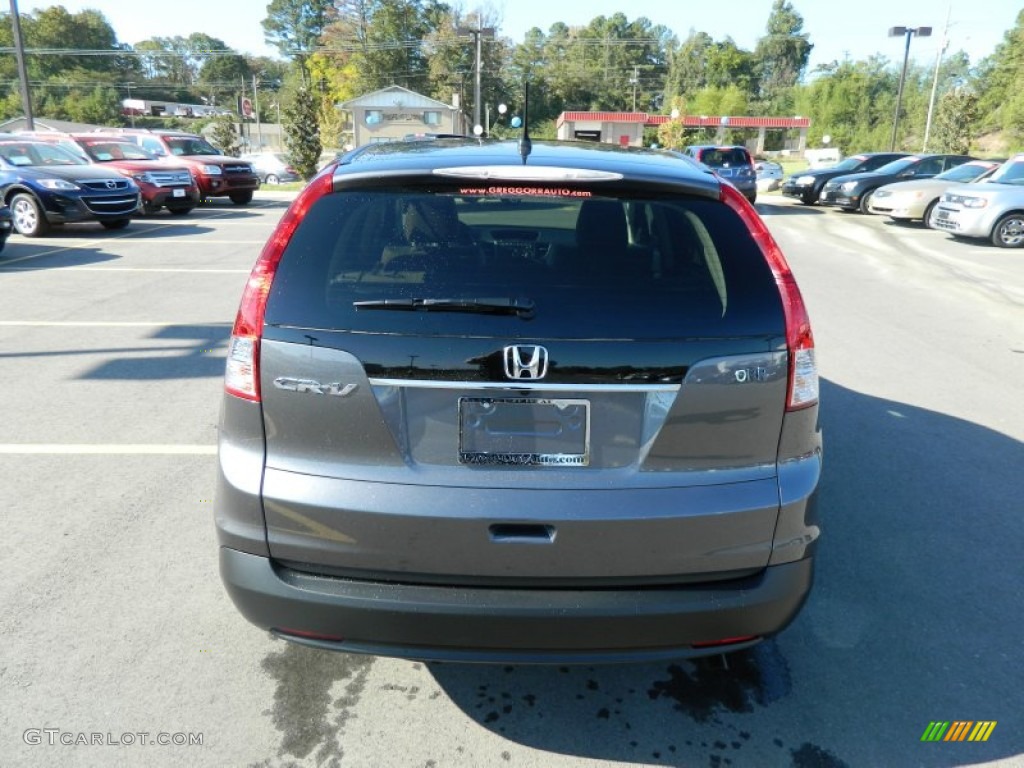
(803, 371)
(242, 375)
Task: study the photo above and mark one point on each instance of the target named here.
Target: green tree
(302, 132)
(224, 135)
(780, 57)
(1002, 98)
(295, 26)
(955, 121)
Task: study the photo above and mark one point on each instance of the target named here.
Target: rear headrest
(601, 227)
(431, 220)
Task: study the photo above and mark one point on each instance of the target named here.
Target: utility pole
(256, 111)
(478, 33)
(634, 80)
(943, 44)
(19, 52)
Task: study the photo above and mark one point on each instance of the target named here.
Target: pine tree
(302, 132)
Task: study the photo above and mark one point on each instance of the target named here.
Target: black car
(806, 186)
(45, 184)
(499, 401)
(853, 191)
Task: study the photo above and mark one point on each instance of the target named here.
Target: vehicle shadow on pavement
(200, 356)
(780, 206)
(915, 617)
(19, 255)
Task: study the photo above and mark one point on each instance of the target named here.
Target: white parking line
(107, 450)
(102, 324)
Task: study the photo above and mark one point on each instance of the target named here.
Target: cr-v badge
(526, 362)
(315, 387)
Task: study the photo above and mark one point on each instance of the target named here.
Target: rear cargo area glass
(589, 266)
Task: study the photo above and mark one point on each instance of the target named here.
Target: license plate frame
(512, 431)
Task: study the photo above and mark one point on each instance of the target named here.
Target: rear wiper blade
(485, 306)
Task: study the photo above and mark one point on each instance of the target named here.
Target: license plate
(535, 432)
(943, 215)
(179, 193)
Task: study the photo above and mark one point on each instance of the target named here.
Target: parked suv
(806, 186)
(218, 175)
(161, 185)
(731, 163)
(496, 405)
(46, 185)
(993, 209)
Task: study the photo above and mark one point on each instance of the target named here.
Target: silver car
(501, 401)
(992, 210)
(916, 199)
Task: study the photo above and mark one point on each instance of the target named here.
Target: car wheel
(272, 179)
(181, 210)
(28, 217)
(241, 198)
(865, 201)
(115, 223)
(1009, 231)
(926, 219)
(809, 199)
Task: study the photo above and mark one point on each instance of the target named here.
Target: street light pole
(19, 54)
(907, 32)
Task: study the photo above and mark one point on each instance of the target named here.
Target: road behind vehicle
(162, 185)
(993, 210)
(272, 167)
(495, 405)
(217, 175)
(916, 199)
(806, 186)
(46, 185)
(731, 163)
(853, 191)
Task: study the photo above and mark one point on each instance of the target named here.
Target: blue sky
(857, 29)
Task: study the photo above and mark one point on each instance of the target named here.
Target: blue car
(46, 185)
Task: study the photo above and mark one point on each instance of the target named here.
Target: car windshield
(105, 151)
(190, 145)
(1011, 172)
(898, 166)
(965, 172)
(37, 153)
(849, 163)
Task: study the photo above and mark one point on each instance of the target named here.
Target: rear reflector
(803, 370)
(725, 641)
(307, 635)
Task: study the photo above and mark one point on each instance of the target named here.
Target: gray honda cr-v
(484, 403)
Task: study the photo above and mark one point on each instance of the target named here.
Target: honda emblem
(526, 362)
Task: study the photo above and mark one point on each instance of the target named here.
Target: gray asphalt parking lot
(115, 623)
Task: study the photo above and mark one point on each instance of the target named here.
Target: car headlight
(57, 184)
(144, 177)
(848, 186)
(882, 193)
(804, 181)
(974, 202)
(212, 170)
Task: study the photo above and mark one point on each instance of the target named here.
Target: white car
(765, 169)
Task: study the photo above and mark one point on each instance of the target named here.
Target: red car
(162, 185)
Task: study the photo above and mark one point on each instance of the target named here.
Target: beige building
(396, 113)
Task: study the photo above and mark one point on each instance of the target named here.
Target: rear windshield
(591, 267)
(725, 157)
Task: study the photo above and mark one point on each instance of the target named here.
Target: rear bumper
(512, 625)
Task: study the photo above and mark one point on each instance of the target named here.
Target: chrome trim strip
(521, 384)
